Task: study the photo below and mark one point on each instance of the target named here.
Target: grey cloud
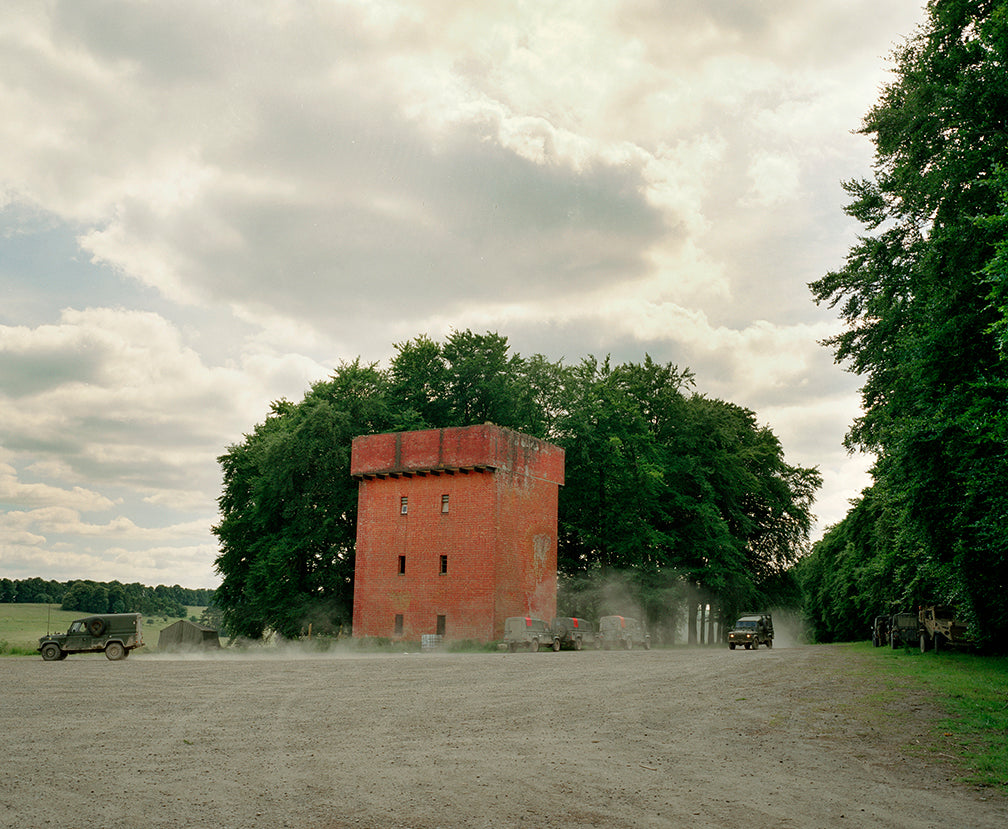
(27, 373)
(387, 223)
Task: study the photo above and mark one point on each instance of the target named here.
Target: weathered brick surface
(499, 534)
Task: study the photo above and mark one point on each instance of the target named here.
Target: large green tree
(922, 296)
(669, 494)
(289, 507)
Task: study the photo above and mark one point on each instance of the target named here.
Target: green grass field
(973, 690)
(21, 625)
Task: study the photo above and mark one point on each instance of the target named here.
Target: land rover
(114, 633)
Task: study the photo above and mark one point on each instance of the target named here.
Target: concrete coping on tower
(454, 451)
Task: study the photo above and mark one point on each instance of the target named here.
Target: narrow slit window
(403, 505)
(402, 565)
(444, 565)
(440, 625)
(398, 624)
(444, 504)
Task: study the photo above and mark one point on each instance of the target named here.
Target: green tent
(186, 635)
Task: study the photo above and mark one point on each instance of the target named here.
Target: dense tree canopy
(923, 295)
(687, 498)
(105, 597)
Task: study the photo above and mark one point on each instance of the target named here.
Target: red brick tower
(456, 530)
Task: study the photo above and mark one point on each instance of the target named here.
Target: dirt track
(681, 737)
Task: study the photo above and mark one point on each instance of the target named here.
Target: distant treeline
(105, 597)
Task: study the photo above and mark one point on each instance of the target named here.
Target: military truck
(114, 633)
(622, 632)
(528, 633)
(573, 632)
(880, 631)
(903, 630)
(940, 630)
(751, 631)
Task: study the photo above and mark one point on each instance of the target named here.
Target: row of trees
(105, 597)
(924, 295)
(688, 498)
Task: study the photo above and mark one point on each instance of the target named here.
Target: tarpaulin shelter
(184, 634)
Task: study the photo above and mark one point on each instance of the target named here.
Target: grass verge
(973, 690)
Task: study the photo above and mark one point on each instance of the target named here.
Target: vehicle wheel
(731, 646)
(755, 645)
(96, 627)
(923, 643)
(647, 644)
(892, 641)
(578, 644)
(51, 652)
(874, 641)
(63, 655)
(769, 643)
(114, 651)
(937, 639)
(628, 643)
(747, 646)
(512, 647)
(556, 645)
(534, 645)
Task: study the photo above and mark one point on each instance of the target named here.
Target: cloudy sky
(206, 206)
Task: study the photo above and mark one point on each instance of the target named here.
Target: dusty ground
(789, 737)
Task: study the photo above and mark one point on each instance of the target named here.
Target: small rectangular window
(402, 565)
(398, 624)
(444, 504)
(440, 625)
(403, 505)
(444, 565)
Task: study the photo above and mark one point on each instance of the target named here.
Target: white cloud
(259, 193)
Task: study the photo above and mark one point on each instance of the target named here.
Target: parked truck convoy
(532, 634)
(932, 626)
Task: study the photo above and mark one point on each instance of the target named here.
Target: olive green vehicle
(115, 634)
(904, 630)
(528, 633)
(573, 632)
(880, 631)
(621, 632)
(751, 631)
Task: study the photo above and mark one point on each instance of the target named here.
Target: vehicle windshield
(746, 624)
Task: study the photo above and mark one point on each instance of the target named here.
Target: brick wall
(498, 534)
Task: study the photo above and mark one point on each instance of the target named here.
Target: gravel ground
(789, 737)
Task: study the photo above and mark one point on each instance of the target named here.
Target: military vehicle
(939, 629)
(528, 633)
(751, 631)
(573, 632)
(880, 631)
(903, 630)
(114, 633)
(621, 631)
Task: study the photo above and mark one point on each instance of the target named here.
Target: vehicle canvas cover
(526, 630)
(622, 630)
(572, 630)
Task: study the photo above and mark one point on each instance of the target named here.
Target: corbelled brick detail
(498, 534)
